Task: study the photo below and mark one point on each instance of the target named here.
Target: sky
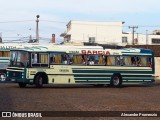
(18, 17)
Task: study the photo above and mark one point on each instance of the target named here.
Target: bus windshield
(19, 58)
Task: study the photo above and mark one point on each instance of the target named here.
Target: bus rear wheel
(116, 80)
(39, 81)
(22, 85)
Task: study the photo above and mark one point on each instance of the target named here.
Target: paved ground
(80, 98)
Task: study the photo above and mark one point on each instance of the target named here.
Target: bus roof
(131, 51)
(136, 50)
(59, 48)
(88, 50)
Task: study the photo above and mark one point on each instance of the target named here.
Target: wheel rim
(116, 81)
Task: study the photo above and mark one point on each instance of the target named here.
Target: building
(140, 39)
(109, 33)
(93, 32)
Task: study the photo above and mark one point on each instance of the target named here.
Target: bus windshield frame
(19, 59)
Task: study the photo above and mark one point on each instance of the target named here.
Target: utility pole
(37, 31)
(133, 27)
(146, 37)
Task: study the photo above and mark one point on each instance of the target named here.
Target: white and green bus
(73, 65)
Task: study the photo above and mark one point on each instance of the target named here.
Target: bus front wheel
(22, 85)
(39, 81)
(116, 80)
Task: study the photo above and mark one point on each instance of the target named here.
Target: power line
(16, 21)
(144, 25)
(54, 21)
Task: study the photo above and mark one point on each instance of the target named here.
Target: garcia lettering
(95, 52)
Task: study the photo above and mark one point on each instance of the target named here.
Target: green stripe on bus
(91, 75)
(92, 78)
(93, 82)
(139, 78)
(111, 71)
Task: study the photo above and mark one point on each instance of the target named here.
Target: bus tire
(38, 81)
(22, 85)
(116, 80)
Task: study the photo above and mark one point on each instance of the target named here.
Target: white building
(93, 32)
(140, 39)
(106, 33)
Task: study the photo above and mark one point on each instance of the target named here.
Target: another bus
(4, 58)
(66, 65)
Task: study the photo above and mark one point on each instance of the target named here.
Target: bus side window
(90, 60)
(105, 60)
(101, 61)
(84, 59)
(122, 61)
(111, 60)
(127, 61)
(64, 59)
(77, 59)
(34, 58)
(70, 59)
(4, 53)
(94, 59)
(139, 61)
(117, 60)
(52, 60)
(133, 61)
(55, 58)
(24, 60)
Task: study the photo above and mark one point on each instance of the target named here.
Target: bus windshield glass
(19, 58)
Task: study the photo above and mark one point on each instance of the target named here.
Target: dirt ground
(81, 98)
